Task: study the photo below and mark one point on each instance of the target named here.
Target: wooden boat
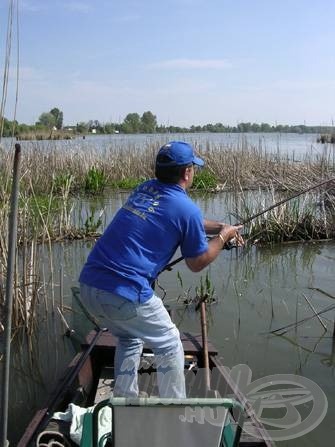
(89, 378)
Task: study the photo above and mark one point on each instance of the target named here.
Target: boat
(88, 381)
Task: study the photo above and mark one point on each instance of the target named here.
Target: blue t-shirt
(142, 238)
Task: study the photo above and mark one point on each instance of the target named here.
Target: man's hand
(231, 234)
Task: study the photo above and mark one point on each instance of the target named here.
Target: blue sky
(187, 61)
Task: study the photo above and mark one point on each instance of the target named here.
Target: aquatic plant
(95, 180)
(92, 224)
(205, 290)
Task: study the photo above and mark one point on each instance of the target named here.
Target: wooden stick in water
(205, 341)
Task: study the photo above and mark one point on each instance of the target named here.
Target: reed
(41, 220)
(26, 279)
(51, 176)
(92, 170)
(311, 217)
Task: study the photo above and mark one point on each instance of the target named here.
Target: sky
(187, 61)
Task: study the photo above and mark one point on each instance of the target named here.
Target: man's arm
(215, 245)
(213, 226)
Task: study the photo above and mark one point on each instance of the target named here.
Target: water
(256, 290)
(292, 145)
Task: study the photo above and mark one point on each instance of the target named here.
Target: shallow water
(256, 290)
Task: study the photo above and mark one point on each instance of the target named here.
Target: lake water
(293, 145)
(257, 290)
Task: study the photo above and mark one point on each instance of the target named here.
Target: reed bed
(306, 218)
(51, 177)
(26, 289)
(246, 166)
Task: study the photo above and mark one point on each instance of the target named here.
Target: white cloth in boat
(75, 415)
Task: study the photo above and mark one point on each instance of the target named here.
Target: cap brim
(198, 161)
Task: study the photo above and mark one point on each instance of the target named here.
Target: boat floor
(148, 384)
(149, 388)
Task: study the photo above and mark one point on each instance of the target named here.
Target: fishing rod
(260, 213)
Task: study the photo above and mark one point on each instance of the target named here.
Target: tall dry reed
(242, 165)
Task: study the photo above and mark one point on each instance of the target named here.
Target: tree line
(135, 123)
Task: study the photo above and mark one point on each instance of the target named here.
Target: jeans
(135, 324)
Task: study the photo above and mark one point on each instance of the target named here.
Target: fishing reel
(230, 244)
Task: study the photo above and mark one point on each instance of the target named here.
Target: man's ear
(184, 174)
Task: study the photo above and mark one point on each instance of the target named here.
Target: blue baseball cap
(177, 153)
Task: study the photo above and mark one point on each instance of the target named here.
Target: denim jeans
(135, 324)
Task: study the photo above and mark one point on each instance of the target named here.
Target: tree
(132, 123)
(148, 122)
(47, 119)
(82, 127)
(58, 117)
(265, 127)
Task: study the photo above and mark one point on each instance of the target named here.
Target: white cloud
(302, 84)
(28, 74)
(181, 64)
(78, 6)
(126, 18)
(31, 6)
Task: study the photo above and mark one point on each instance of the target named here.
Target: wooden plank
(106, 339)
(192, 344)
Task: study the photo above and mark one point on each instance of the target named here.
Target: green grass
(127, 183)
(204, 179)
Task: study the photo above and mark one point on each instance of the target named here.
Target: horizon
(189, 62)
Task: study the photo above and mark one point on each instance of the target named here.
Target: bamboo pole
(12, 236)
(203, 318)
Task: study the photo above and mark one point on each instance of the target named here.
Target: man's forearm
(212, 226)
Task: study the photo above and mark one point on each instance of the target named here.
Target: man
(116, 280)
